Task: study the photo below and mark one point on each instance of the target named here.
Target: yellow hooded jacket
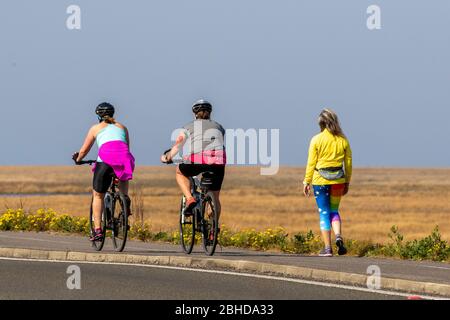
(325, 151)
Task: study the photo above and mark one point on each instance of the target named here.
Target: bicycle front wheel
(187, 229)
(120, 214)
(97, 244)
(210, 224)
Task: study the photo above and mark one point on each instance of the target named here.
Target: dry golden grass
(414, 199)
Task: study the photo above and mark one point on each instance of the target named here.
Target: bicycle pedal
(188, 214)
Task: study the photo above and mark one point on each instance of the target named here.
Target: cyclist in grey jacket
(206, 144)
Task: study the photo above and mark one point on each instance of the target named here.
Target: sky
(264, 64)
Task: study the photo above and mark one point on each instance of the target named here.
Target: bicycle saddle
(207, 178)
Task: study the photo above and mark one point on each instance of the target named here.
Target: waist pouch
(333, 173)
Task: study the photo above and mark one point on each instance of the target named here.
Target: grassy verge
(431, 247)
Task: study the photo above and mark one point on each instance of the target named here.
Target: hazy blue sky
(264, 64)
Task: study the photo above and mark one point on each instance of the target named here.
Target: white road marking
(230, 273)
(434, 267)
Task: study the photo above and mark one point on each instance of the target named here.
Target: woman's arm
(181, 139)
(310, 167)
(312, 162)
(127, 135)
(348, 163)
(87, 145)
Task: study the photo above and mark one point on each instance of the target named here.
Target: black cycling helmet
(201, 105)
(105, 109)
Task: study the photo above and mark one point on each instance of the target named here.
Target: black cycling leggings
(190, 170)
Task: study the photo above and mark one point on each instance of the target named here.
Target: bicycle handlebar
(89, 162)
(178, 161)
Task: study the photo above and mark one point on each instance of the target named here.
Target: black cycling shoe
(340, 244)
(190, 205)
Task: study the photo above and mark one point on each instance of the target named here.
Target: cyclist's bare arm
(181, 139)
(88, 143)
(127, 137)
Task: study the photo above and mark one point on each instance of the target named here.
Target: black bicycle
(203, 217)
(114, 217)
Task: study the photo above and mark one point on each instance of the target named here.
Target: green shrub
(361, 248)
(250, 238)
(305, 243)
(66, 223)
(140, 231)
(431, 247)
(14, 220)
(175, 237)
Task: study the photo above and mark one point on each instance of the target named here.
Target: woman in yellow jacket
(329, 171)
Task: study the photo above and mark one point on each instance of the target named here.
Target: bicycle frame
(110, 199)
(199, 193)
(199, 187)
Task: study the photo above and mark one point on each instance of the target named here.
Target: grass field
(413, 199)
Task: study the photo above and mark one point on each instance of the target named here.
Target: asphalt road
(424, 271)
(27, 279)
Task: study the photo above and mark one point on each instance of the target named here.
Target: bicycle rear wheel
(210, 223)
(120, 222)
(98, 244)
(187, 229)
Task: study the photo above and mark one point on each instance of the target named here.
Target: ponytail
(203, 114)
(109, 120)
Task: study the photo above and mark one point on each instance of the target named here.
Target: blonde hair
(328, 119)
(109, 120)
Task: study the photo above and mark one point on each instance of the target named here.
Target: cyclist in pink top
(205, 138)
(114, 159)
